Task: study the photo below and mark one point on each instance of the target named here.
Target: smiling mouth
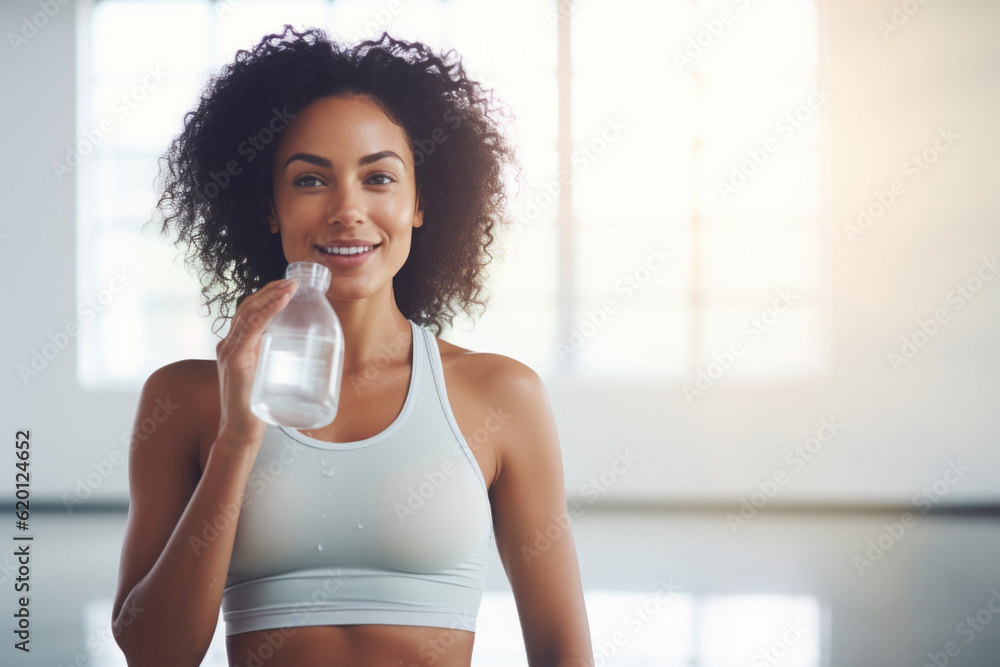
(347, 251)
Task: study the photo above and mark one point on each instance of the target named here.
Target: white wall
(900, 429)
(70, 429)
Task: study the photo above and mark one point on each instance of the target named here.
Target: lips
(354, 258)
(343, 250)
(346, 243)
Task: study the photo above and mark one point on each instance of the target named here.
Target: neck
(376, 333)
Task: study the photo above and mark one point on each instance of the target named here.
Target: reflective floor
(789, 590)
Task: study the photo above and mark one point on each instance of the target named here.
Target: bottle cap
(309, 274)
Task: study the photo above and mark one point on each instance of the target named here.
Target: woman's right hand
(237, 361)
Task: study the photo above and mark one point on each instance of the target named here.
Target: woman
(363, 542)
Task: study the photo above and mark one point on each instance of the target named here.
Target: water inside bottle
(295, 389)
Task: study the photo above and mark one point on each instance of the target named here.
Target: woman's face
(343, 175)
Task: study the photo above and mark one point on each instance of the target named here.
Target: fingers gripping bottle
(297, 383)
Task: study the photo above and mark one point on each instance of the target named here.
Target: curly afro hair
(218, 189)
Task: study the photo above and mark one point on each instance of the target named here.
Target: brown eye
(387, 177)
(301, 180)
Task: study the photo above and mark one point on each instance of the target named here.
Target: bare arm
(181, 528)
(169, 616)
(532, 525)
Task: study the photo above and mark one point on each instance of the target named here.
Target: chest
(409, 502)
(369, 405)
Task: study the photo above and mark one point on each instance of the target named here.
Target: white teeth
(347, 250)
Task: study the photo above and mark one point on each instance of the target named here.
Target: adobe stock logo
(927, 329)
(122, 106)
(254, 144)
(59, 340)
(787, 126)
(424, 491)
(879, 546)
(914, 167)
(899, 17)
(769, 487)
(772, 655)
(712, 30)
(629, 284)
(753, 328)
(30, 28)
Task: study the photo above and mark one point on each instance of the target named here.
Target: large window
(707, 168)
(672, 153)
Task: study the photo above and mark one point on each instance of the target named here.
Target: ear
(418, 213)
(272, 220)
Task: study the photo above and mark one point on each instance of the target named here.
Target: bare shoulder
(503, 394)
(191, 371)
(489, 375)
(187, 391)
(191, 377)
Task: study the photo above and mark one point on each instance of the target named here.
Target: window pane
(242, 25)
(618, 261)
(754, 630)
(527, 256)
(647, 336)
(693, 115)
(751, 260)
(774, 345)
(514, 52)
(765, 181)
(127, 32)
(114, 340)
(520, 319)
(513, 331)
(123, 191)
(634, 118)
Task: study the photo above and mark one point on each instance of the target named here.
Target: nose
(346, 205)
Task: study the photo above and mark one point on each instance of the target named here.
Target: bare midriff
(350, 646)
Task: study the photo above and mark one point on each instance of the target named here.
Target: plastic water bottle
(297, 383)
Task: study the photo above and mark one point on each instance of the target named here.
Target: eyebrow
(323, 162)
